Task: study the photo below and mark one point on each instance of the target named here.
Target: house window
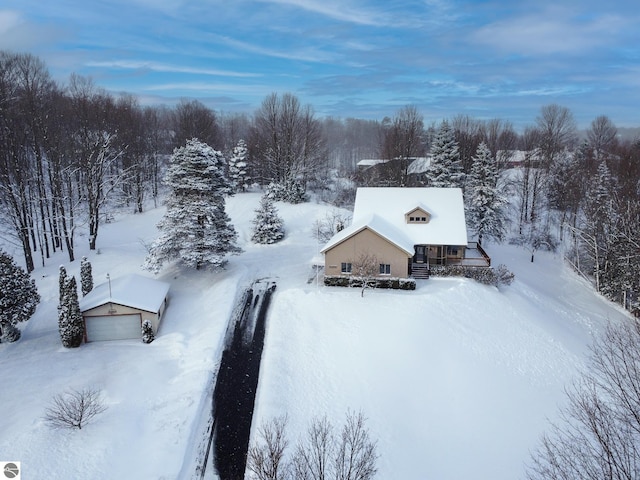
(452, 251)
(385, 269)
(418, 219)
(345, 267)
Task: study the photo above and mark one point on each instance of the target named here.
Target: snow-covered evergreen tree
(486, 205)
(61, 281)
(70, 324)
(445, 169)
(238, 166)
(195, 228)
(267, 225)
(86, 276)
(18, 298)
(147, 332)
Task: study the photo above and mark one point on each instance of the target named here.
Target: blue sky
(348, 58)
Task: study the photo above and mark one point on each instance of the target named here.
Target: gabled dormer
(417, 215)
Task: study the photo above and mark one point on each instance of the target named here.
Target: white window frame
(346, 267)
(385, 269)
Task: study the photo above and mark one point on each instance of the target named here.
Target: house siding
(368, 242)
(108, 309)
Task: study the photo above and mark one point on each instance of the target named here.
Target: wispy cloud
(161, 67)
(339, 11)
(552, 31)
(8, 21)
(309, 54)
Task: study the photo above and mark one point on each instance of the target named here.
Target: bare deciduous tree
(266, 460)
(74, 409)
(327, 227)
(601, 135)
(364, 271)
(320, 454)
(598, 435)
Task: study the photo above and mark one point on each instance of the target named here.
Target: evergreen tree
(70, 324)
(267, 226)
(61, 282)
(600, 216)
(86, 277)
(445, 169)
(195, 229)
(18, 298)
(147, 332)
(238, 167)
(486, 205)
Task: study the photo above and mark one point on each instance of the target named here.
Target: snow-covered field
(456, 379)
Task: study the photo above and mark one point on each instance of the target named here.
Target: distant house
(407, 172)
(116, 309)
(407, 229)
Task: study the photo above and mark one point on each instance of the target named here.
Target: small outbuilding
(116, 309)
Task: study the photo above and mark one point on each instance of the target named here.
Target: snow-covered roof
(383, 209)
(132, 290)
(369, 162)
(419, 165)
(378, 225)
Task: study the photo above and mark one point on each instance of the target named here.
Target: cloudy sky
(348, 58)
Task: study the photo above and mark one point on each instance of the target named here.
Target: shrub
(389, 283)
(147, 332)
(74, 409)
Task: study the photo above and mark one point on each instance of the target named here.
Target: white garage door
(113, 327)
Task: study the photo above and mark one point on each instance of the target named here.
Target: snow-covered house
(406, 229)
(116, 309)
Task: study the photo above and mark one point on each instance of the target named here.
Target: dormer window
(417, 215)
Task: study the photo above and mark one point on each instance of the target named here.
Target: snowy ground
(455, 378)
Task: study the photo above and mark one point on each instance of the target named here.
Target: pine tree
(486, 214)
(70, 324)
(238, 167)
(267, 226)
(86, 277)
(195, 227)
(147, 332)
(445, 169)
(18, 298)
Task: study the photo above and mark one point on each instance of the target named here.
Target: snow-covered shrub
(147, 332)
(10, 334)
(389, 283)
(290, 191)
(486, 276)
(503, 275)
(267, 225)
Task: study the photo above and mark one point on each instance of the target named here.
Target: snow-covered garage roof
(383, 209)
(132, 290)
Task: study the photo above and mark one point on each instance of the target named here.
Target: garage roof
(132, 290)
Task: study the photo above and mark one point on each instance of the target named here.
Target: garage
(116, 309)
(112, 327)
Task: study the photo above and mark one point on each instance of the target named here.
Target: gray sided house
(115, 310)
(408, 230)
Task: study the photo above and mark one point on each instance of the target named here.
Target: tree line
(72, 153)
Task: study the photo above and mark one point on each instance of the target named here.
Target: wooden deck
(475, 256)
